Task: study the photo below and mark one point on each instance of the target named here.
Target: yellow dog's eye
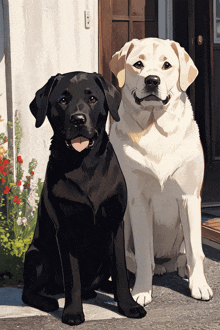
(166, 66)
(138, 65)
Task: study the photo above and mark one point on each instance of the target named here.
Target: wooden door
(193, 28)
(121, 21)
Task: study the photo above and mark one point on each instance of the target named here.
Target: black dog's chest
(93, 193)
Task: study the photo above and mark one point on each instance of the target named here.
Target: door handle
(200, 40)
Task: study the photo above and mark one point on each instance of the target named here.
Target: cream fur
(160, 153)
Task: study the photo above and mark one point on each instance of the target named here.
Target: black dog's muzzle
(69, 142)
(78, 119)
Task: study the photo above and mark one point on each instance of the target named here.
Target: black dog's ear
(112, 95)
(39, 105)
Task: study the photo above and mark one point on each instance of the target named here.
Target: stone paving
(171, 308)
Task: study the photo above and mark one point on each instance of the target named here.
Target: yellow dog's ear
(188, 70)
(117, 63)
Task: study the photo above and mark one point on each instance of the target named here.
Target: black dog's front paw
(38, 301)
(134, 311)
(73, 319)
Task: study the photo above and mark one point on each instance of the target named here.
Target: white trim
(216, 39)
(211, 243)
(210, 204)
(165, 19)
(162, 19)
(169, 19)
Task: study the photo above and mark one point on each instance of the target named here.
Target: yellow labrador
(158, 146)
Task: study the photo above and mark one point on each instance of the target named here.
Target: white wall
(3, 107)
(46, 37)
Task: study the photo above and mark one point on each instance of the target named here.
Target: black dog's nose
(78, 120)
(152, 81)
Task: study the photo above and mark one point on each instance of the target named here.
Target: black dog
(79, 231)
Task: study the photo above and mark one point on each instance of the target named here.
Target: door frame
(105, 25)
(186, 31)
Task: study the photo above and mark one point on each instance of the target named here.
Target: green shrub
(19, 199)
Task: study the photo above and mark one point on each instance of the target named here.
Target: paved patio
(172, 307)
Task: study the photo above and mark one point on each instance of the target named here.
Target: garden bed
(19, 198)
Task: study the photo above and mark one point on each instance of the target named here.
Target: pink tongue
(80, 143)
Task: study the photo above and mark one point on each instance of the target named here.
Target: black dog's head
(76, 104)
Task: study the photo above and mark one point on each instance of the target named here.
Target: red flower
(6, 191)
(5, 173)
(6, 140)
(2, 167)
(32, 173)
(19, 183)
(20, 160)
(6, 161)
(28, 185)
(16, 199)
(3, 180)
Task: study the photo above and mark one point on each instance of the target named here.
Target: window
(216, 20)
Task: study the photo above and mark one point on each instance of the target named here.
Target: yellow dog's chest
(160, 155)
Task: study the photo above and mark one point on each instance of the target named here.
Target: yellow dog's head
(153, 71)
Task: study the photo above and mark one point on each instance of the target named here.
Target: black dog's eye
(166, 66)
(138, 65)
(63, 100)
(92, 99)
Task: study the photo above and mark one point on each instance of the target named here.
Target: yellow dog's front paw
(142, 298)
(201, 291)
(199, 287)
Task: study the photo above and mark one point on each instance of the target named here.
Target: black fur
(79, 238)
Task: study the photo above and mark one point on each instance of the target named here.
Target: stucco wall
(3, 108)
(46, 37)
